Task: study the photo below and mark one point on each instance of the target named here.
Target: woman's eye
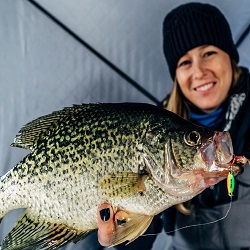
(209, 53)
(184, 63)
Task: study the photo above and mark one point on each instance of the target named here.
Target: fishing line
(230, 188)
(205, 223)
(199, 224)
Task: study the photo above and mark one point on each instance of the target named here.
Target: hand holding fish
(108, 222)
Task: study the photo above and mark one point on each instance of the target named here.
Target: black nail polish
(105, 214)
(121, 222)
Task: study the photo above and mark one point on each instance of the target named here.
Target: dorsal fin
(28, 136)
(29, 233)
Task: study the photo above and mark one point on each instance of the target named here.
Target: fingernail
(121, 222)
(105, 214)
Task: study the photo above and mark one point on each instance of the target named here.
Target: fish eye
(192, 138)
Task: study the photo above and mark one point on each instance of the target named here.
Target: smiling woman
(209, 89)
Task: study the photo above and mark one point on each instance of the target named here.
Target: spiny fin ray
(28, 136)
(29, 234)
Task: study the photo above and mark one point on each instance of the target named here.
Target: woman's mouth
(205, 87)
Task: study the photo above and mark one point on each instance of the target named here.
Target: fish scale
(135, 156)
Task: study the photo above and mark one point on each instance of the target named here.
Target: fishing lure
(230, 180)
(230, 183)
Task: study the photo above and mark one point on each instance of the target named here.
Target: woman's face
(204, 75)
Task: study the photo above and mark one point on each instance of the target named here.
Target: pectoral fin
(30, 233)
(130, 227)
(119, 185)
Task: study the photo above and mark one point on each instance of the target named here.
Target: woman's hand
(109, 222)
(106, 224)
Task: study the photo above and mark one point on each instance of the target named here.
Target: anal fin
(135, 226)
(32, 234)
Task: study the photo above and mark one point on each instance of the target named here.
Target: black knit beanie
(192, 25)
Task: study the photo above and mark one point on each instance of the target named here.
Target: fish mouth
(217, 152)
(235, 166)
(219, 158)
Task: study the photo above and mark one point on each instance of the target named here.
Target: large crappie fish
(140, 158)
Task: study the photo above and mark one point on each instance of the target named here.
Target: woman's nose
(198, 69)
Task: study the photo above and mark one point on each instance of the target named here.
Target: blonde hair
(177, 103)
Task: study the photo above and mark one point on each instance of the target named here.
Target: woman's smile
(205, 87)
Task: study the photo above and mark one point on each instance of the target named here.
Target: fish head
(197, 159)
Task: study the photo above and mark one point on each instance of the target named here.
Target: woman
(211, 90)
